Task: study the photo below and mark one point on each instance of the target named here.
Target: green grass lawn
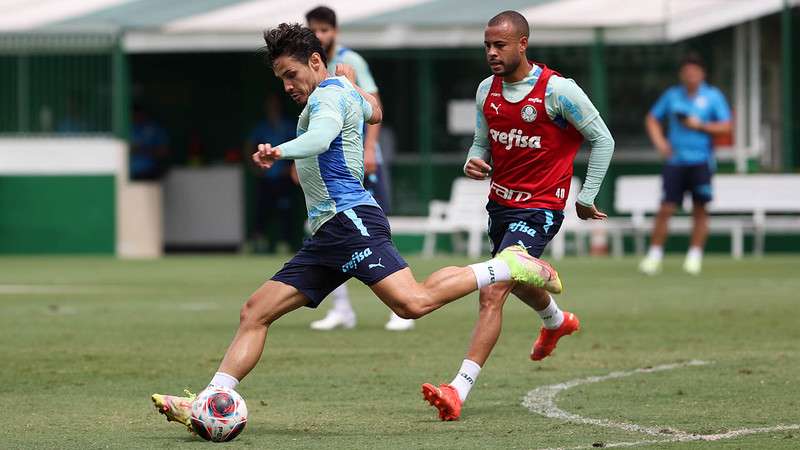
(85, 341)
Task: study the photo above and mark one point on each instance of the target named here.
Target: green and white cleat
(177, 409)
(650, 266)
(530, 270)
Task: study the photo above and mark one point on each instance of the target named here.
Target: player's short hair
(292, 40)
(692, 58)
(517, 21)
(322, 14)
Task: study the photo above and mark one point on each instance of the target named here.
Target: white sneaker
(397, 323)
(335, 319)
(650, 266)
(693, 266)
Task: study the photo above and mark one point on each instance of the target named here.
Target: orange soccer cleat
(444, 398)
(547, 340)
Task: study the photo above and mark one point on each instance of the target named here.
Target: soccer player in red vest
(530, 124)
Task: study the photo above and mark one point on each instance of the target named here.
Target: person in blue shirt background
(694, 112)
(149, 146)
(274, 188)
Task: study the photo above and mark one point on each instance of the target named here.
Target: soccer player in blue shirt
(350, 233)
(694, 112)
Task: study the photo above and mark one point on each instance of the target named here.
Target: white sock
(656, 252)
(491, 271)
(694, 253)
(466, 377)
(552, 317)
(222, 379)
(341, 301)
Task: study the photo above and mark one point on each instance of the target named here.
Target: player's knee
(410, 310)
(667, 209)
(492, 298)
(251, 315)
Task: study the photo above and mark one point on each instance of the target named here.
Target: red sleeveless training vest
(532, 155)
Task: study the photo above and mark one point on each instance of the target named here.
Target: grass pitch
(85, 341)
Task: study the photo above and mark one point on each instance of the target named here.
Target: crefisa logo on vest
(528, 113)
(515, 138)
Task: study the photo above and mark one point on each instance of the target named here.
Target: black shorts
(531, 228)
(696, 179)
(354, 243)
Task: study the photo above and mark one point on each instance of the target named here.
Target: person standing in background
(149, 147)
(274, 188)
(695, 112)
(322, 20)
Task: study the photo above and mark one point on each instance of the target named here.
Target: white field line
(542, 401)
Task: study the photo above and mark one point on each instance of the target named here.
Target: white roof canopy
(224, 25)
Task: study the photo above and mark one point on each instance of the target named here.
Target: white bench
(465, 212)
(757, 204)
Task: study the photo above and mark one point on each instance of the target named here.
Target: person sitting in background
(274, 188)
(149, 147)
(695, 112)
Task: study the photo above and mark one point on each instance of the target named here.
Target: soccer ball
(218, 414)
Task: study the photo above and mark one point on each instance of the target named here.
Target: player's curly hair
(292, 40)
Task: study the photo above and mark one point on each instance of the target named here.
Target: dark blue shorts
(354, 243)
(375, 184)
(532, 228)
(695, 179)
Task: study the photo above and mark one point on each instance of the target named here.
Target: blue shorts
(695, 179)
(375, 184)
(354, 243)
(531, 228)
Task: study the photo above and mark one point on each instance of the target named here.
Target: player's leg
(673, 189)
(701, 195)
(377, 185)
(531, 230)
(410, 299)
(449, 398)
(555, 322)
(272, 300)
(303, 281)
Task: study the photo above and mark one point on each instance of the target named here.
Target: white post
(755, 89)
(740, 97)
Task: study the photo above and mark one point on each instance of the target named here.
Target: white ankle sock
(552, 317)
(465, 378)
(655, 252)
(694, 253)
(491, 271)
(341, 301)
(222, 379)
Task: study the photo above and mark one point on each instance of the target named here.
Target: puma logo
(523, 245)
(496, 108)
(372, 266)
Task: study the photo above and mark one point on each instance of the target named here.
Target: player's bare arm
(656, 133)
